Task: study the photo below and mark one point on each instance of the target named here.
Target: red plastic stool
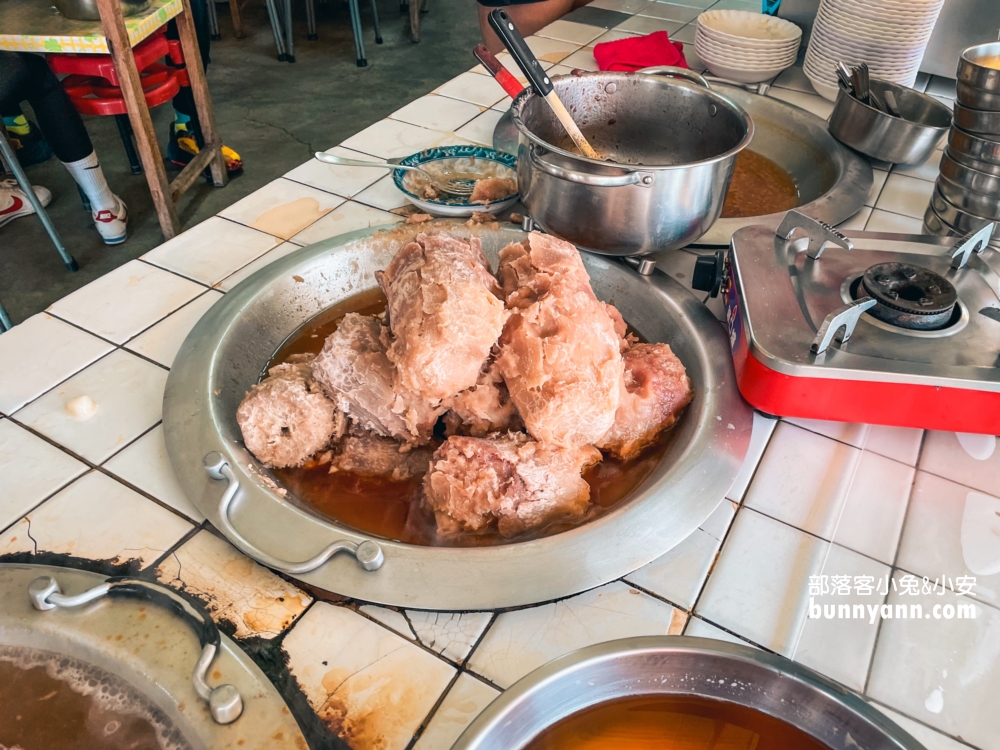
(93, 86)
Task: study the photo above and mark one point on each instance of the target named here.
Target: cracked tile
(212, 250)
(235, 589)
(698, 628)
(97, 518)
(464, 702)
(451, 634)
(128, 392)
(127, 300)
(55, 350)
(30, 470)
(524, 639)
(145, 464)
(927, 737)
(161, 342)
(371, 687)
(390, 618)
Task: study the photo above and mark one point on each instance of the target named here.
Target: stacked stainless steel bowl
(967, 193)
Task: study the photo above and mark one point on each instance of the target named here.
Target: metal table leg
(359, 42)
(289, 33)
(276, 27)
(311, 20)
(15, 168)
(5, 321)
(378, 31)
(213, 21)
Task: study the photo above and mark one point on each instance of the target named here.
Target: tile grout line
(95, 467)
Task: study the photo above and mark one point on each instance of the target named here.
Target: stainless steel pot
(673, 143)
(225, 352)
(682, 666)
(909, 139)
(978, 121)
(934, 224)
(976, 147)
(968, 161)
(86, 10)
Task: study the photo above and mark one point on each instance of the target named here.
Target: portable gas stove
(882, 329)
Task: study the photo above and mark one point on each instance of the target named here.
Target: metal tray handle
(368, 553)
(224, 702)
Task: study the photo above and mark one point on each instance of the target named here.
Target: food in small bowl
(492, 174)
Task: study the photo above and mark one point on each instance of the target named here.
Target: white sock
(88, 175)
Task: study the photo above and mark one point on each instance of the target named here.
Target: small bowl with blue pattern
(456, 162)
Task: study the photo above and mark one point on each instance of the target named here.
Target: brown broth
(993, 62)
(667, 722)
(41, 712)
(759, 187)
(391, 510)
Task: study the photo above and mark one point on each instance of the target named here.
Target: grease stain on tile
(371, 687)
(235, 589)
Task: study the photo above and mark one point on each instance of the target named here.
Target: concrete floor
(274, 114)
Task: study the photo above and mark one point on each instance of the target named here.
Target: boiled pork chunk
(444, 312)
(484, 408)
(355, 371)
(653, 392)
(287, 417)
(369, 455)
(560, 352)
(507, 482)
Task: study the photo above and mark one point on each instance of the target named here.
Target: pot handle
(224, 701)
(675, 72)
(643, 179)
(368, 553)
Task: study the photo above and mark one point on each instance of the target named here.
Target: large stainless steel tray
(224, 354)
(833, 180)
(682, 666)
(151, 649)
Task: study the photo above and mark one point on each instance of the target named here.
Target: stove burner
(909, 296)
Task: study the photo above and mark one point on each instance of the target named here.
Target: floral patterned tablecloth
(36, 26)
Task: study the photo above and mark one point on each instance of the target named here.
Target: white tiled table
(813, 498)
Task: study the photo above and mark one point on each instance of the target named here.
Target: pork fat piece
(444, 312)
(560, 352)
(510, 481)
(354, 370)
(287, 417)
(654, 390)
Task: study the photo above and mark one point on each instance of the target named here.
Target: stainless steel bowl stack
(967, 193)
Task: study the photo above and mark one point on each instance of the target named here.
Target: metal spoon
(462, 188)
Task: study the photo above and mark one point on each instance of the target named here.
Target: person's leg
(528, 17)
(185, 132)
(27, 77)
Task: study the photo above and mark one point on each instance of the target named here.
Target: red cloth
(638, 52)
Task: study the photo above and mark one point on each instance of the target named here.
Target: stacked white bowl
(889, 35)
(744, 46)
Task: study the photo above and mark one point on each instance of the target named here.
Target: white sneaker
(112, 224)
(14, 201)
